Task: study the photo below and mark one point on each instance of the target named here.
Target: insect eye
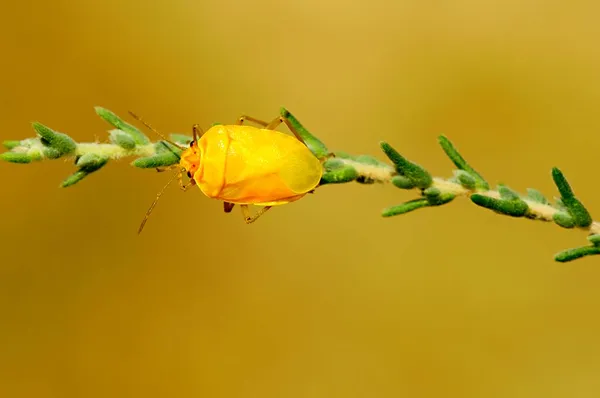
(192, 144)
(189, 174)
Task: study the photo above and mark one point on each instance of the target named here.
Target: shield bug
(244, 165)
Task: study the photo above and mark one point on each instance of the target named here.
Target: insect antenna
(196, 132)
(138, 118)
(154, 204)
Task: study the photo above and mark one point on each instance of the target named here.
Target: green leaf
(51, 153)
(334, 163)
(513, 208)
(337, 171)
(159, 160)
(432, 192)
(563, 219)
(403, 182)
(59, 141)
(594, 239)
(465, 179)
(74, 178)
(370, 160)
(139, 137)
(537, 196)
(11, 144)
(91, 162)
(560, 205)
(561, 183)
(163, 146)
(507, 193)
(578, 252)
(413, 171)
(16, 157)
(314, 144)
(122, 139)
(460, 162)
(441, 199)
(405, 207)
(182, 139)
(35, 154)
(340, 175)
(574, 206)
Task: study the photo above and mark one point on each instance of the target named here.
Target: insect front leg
(185, 187)
(250, 219)
(166, 168)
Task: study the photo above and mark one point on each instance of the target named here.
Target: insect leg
(196, 133)
(166, 168)
(185, 187)
(246, 118)
(277, 121)
(250, 219)
(227, 207)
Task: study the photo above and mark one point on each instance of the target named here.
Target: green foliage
(461, 163)
(575, 208)
(137, 136)
(412, 171)
(339, 167)
(508, 207)
(315, 145)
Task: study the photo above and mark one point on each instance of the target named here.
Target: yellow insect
(246, 165)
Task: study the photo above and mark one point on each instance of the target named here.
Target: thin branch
(125, 140)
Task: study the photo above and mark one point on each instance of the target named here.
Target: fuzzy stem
(113, 151)
(339, 167)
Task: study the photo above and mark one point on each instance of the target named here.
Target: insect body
(245, 165)
(248, 165)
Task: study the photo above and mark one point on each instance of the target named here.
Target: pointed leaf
(460, 162)
(580, 214)
(139, 137)
(405, 207)
(416, 173)
(313, 143)
(403, 182)
(122, 139)
(537, 196)
(563, 219)
(59, 141)
(159, 160)
(91, 162)
(16, 157)
(513, 208)
(11, 144)
(74, 178)
(578, 252)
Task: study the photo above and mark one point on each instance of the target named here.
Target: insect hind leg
(280, 119)
(245, 118)
(227, 207)
(276, 123)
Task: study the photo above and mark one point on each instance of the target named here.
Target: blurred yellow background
(323, 297)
